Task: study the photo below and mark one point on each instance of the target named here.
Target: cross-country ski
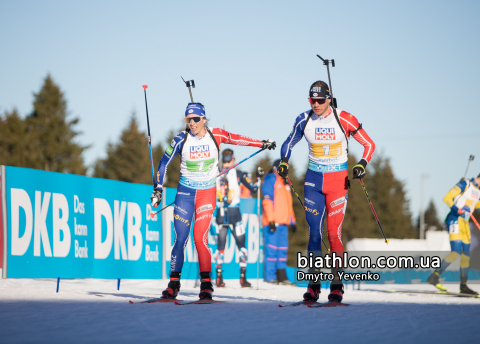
(298, 303)
(157, 300)
(198, 302)
(329, 304)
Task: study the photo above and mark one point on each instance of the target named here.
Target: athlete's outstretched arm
(172, 150)
(292, 139)
(223, 136)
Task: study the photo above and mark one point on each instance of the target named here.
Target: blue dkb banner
(70, 226)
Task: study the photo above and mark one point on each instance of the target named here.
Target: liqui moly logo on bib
(199, 152)
(324, 133)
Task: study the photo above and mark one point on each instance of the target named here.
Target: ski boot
(434, 280)
(313, 292)
(336, 292)
(243, 278)
(220, 283)
(464, 289)
(206, 287)
(282, 278)
(172, 290)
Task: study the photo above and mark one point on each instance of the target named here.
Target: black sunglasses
(317, 100)
(195, 119)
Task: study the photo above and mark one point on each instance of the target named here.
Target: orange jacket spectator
(277, 201)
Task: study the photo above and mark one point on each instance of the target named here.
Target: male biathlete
(229, 216)
(199, 150)
(462, 199)
(326, 181)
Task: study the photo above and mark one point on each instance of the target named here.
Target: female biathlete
(326, 181)
(199, 148)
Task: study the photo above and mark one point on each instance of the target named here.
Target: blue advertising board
(70, 226)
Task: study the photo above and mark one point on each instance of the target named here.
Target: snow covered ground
(91, 311)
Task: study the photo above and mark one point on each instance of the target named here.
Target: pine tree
(48, 127)
(17, 145)
(431, 218)
(129, 159)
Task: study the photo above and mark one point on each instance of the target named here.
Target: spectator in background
(277, 216)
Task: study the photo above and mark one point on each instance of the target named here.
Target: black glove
(359, 169)
(293, 228)
(282, 169)
(273, 227)
(156, 197)
(269, 144)
(260, 172)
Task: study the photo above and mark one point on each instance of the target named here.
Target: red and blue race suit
(196, 197)
(326, 181)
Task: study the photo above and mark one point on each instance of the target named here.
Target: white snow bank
(93, 311)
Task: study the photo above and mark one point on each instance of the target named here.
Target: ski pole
(475, 221)
(241, 162)
(373, 210)
(468, 165)
(149, 138)
(304, 208)
(152, 215)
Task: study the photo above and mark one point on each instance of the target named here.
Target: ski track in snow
(91, 311)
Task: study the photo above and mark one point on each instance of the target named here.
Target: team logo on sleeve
(324, 133)
(200, 152)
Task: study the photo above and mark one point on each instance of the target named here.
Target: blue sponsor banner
(231, 267)
(69, 226)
